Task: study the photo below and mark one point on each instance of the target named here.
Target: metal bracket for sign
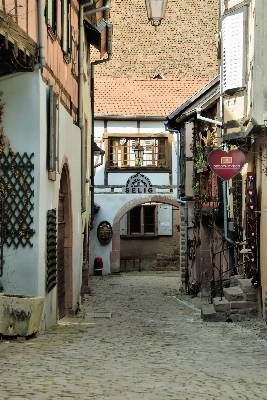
(1, 237)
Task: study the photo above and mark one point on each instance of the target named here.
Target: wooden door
(61, 258)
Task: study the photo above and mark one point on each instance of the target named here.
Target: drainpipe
(80, 102)
(225, 197)
(212, 121)
(95, 10)
(92, 178)
(80, 116)
(183, 202)
(41, 34)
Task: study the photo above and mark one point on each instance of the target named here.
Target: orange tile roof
(142, 97)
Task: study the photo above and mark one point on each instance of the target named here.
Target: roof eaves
(129, 117)
(174, 115)
(204, 104)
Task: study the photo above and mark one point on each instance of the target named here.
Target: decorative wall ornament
(17, 192)
(251, 228)
(104, 232)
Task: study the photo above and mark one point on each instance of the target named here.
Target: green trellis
(16, 191)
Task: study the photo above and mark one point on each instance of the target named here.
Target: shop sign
(138, 184)
(226, 165)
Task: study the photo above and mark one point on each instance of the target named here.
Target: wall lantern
(139, 154)
(156, 10)
(104, 232)
(98, 152)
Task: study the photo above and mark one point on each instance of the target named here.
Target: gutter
(128, 117)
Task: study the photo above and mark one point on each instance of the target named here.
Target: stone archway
(115, 252)
(64, 284)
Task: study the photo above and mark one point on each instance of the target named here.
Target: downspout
(212, 121)
(95, 10)
(225, 197)
(92, 177)
(80, 102)
(183, 202)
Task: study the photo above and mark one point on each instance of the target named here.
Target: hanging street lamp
(156, 10)
(139, 154)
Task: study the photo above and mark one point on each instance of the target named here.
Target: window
(122, 155)
(142, 220)
(147, 220)
(51, 15)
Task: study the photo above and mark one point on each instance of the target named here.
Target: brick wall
(184, 46)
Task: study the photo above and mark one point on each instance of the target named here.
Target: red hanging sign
(251, 206)
(226, 165)
(252, 233)
(251, 193)
(252, 221)
(250, 176)
(253, 247)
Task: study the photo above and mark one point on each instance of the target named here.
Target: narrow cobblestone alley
(136, 339)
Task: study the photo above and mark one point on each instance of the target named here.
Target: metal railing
(220, 269)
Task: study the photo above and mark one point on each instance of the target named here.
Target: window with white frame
(122, 152)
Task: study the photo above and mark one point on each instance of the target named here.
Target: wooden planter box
(20, 315)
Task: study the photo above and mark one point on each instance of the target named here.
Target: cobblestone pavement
(136, 338)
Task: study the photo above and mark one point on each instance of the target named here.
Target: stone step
(243, 305)
(251, 296)
(234, 294)
(221, 305)
(234, 279)
(208, 313)
(246, 285)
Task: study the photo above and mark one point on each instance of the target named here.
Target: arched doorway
(115, 254)
(64, 247)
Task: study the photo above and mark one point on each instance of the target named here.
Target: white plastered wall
(25, 124)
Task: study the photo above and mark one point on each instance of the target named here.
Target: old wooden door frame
(65, 188)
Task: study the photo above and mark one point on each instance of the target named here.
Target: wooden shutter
(233, 57)
(64, 25)
(123, 225)
(49, 13)
(52, 130)
(165, 220)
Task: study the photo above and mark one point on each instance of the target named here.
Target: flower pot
(20, 315)
(204, 168)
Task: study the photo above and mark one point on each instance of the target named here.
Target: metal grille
(17, 193)
(51, 262)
